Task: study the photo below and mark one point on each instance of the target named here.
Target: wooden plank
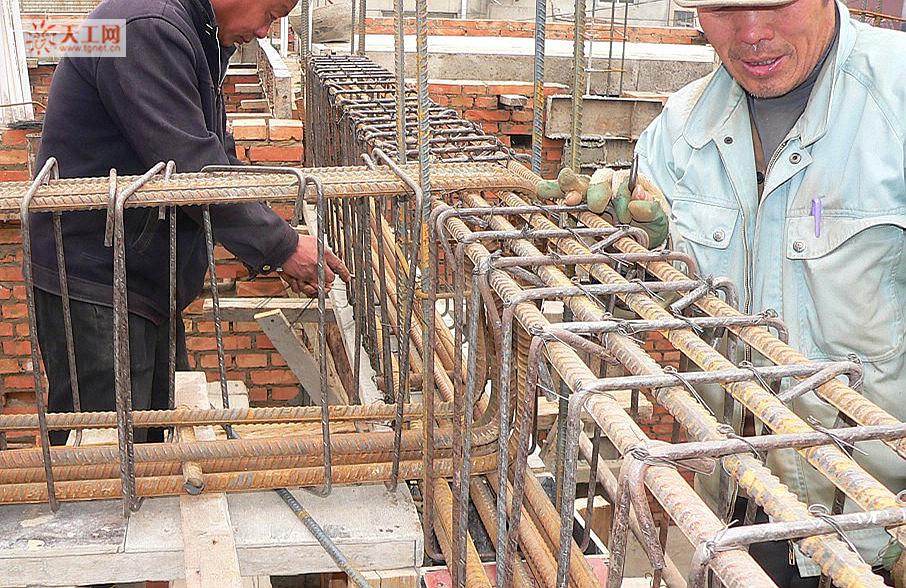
(298, 358)
(600, 519)
(404, 578)
(14, 84)
(209, 546)
(301, 310)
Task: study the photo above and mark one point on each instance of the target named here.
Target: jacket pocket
(849, 296)
(705, 231)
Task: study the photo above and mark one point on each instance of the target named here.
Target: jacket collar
(723, 97)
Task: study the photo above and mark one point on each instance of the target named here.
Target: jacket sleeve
(153, 95)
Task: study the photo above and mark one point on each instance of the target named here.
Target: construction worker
(784, 170)
(162, 101)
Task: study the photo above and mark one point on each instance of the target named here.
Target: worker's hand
(645, 208)
(608, 190)
(300, 270)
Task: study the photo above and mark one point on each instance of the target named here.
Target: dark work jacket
(161, 102)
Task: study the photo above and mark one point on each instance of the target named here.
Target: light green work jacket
(838, 283)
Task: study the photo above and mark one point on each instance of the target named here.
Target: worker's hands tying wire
(629, 197)
(300, 270)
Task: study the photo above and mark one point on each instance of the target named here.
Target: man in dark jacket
(162, 101)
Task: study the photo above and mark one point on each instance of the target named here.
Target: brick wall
(495, 106)
(13, 154)
(505, 28)
(39, 76)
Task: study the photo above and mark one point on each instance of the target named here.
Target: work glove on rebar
(607, 190)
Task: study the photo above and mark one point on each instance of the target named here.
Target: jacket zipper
(749, 276)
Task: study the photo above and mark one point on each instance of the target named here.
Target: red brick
(22, 329)
(16, 347)
(19, 382)
(525, 89)
(475, 89)
(11, 273)
(522, 116)
(242, 327)
(276, 154)
(273, 377)
(9, 366)
(19, 408)
(263, 342)
(441, 100)
(487, 115)
(284, 392)
(277, 360)
(260, 288)
(16, 175)
(14, 311)
(6, 329)
(258, 394)
(251, 129)
(14, 137)
(285, 129)
(250, 360)
(13, 157)
(196, 306)
(201, 344)
(490, 128)
(10, 236)
(444, 88)
(515, 129)
(232, 271)
(237, 342)
(486, 102)
(461, 101)
(210, 361)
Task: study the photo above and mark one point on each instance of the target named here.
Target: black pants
(92, 327)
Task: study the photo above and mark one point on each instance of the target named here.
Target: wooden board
(298, 358)
(209, 548)
(300, 310)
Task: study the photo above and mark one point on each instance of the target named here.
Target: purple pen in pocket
(816, 214)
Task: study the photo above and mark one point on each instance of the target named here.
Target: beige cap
(725, 3)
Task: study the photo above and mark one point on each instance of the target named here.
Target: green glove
(642, 209)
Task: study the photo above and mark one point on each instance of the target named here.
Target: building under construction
(507, 392)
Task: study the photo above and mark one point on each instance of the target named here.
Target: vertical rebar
(538, 113)
(322, 339)
(399, 46)
(50, 170)
(362, 10)
(172, 331)
(121, 348)
(304, 48)
(354, 22)
(215, 302)
(67, 317)
(623, 46)
(578, 85)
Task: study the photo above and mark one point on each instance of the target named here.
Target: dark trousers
(92, 327)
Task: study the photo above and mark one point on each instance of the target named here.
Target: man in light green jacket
(784, 170)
